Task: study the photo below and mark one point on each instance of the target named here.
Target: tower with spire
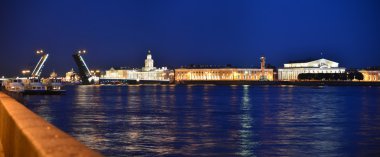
(149, 62)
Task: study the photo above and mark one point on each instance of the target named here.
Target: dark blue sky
(118, 33)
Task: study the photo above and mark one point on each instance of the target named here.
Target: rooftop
(303, 60)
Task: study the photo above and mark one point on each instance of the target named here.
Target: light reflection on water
(218, 120)
(246, 132)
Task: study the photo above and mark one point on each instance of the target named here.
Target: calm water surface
(218, 120)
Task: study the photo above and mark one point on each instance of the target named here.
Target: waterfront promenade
(23, 133)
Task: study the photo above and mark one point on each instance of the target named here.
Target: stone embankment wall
(25, 134)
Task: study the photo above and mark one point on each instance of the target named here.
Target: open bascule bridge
(89, 77)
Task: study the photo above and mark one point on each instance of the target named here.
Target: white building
(291, 71)
(148, 72)
(72, 77)
(148, 63)
(116, 73)
(160, 74)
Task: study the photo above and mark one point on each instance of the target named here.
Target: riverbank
(281, 83)
(23, 133)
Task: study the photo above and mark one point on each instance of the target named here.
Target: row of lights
(24, 72)
(95, 71)
(79, 52)
(40, 51)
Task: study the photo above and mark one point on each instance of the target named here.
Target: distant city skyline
(119, 33)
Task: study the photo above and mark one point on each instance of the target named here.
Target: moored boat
(55, 86)
(14, 85)
(34, 86)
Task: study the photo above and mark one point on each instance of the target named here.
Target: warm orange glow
(25, 72)
(222, 74)
(370, 75)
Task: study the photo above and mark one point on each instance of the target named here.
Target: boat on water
(55, 86)
(34, 86)
(14, 85)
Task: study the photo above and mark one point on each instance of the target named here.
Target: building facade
(291, 71)
(148, 72)
(116, 73)
(225, 73)
(157, 74)
(222, 74)
(72, 77)
(371, 75)
(149, 63)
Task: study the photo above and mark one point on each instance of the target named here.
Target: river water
(208, 120)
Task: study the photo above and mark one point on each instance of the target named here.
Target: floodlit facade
(291, 71)
(149, 63)
(371, 75)
(222, 74)
(148, 72)
(72, 77)
(156, 74)
(225, 73)
(116, 74)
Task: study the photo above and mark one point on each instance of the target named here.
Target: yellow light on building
(370, 75)
(221, 74)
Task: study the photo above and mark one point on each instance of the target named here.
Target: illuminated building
(53, 75)
(156, 74)
(148, 63)
(113, 73)
(371, 75)
(224, 73)
(291, 70)
(148, 72)
(72, 77)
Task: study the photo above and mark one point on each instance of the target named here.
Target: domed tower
(148, 62)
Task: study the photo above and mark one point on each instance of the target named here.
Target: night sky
(237, 32)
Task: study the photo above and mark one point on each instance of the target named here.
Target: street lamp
(24, 72)
(39, 51)
(81, 51)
